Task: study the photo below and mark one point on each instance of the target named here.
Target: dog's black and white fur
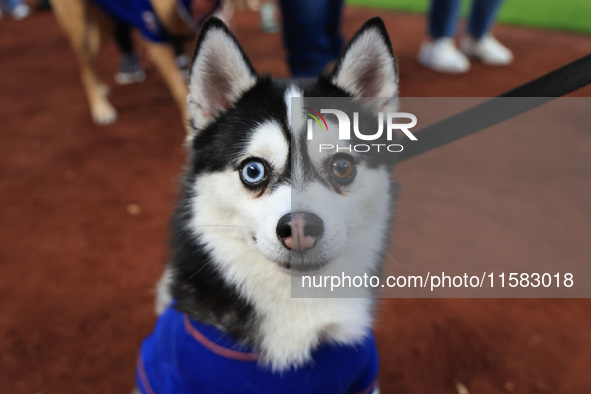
(229, 268)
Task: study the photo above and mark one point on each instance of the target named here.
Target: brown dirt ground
(77, 270)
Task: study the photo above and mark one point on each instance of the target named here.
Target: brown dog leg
(163, 57)
(83, 23)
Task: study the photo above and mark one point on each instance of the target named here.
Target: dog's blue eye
(253, 173)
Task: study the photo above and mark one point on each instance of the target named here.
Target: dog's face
(261, 191)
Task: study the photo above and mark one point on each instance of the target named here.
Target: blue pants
(311, 34)
(444, 15)
(10, 4)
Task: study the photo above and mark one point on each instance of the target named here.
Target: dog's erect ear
(367, 67)
(220, 74)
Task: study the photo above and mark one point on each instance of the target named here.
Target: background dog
(88, 23)
(239, 237)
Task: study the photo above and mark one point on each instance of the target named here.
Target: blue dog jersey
(140, 14)
(183, 356)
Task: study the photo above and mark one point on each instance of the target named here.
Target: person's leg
(333, 27)
(482, 17)
(10, 4)
(43, 5)
(178, 45)
(443, 18)
(479, 43)
(311, 34)
(439, 52)
(122, 34)
(130, 69)
(182, 60)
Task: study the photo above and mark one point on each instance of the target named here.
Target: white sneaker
(21, 11)
(490, 51)
(443, 56)
(130, 70)
(184, 64)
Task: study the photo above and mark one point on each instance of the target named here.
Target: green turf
(572, 15)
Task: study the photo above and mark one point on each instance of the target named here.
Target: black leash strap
(546, 88)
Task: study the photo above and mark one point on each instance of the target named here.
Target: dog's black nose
(299, 231)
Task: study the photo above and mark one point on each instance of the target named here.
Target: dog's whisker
(219, 225)
(196, 272)
(379, 250)
(357, 231)
(370, 222)
(202, 266)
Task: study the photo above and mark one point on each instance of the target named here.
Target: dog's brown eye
(342, 168)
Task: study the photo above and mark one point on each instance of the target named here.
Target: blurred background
(569, 15)
(84, 209)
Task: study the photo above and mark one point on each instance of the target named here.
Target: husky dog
(228, 322)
